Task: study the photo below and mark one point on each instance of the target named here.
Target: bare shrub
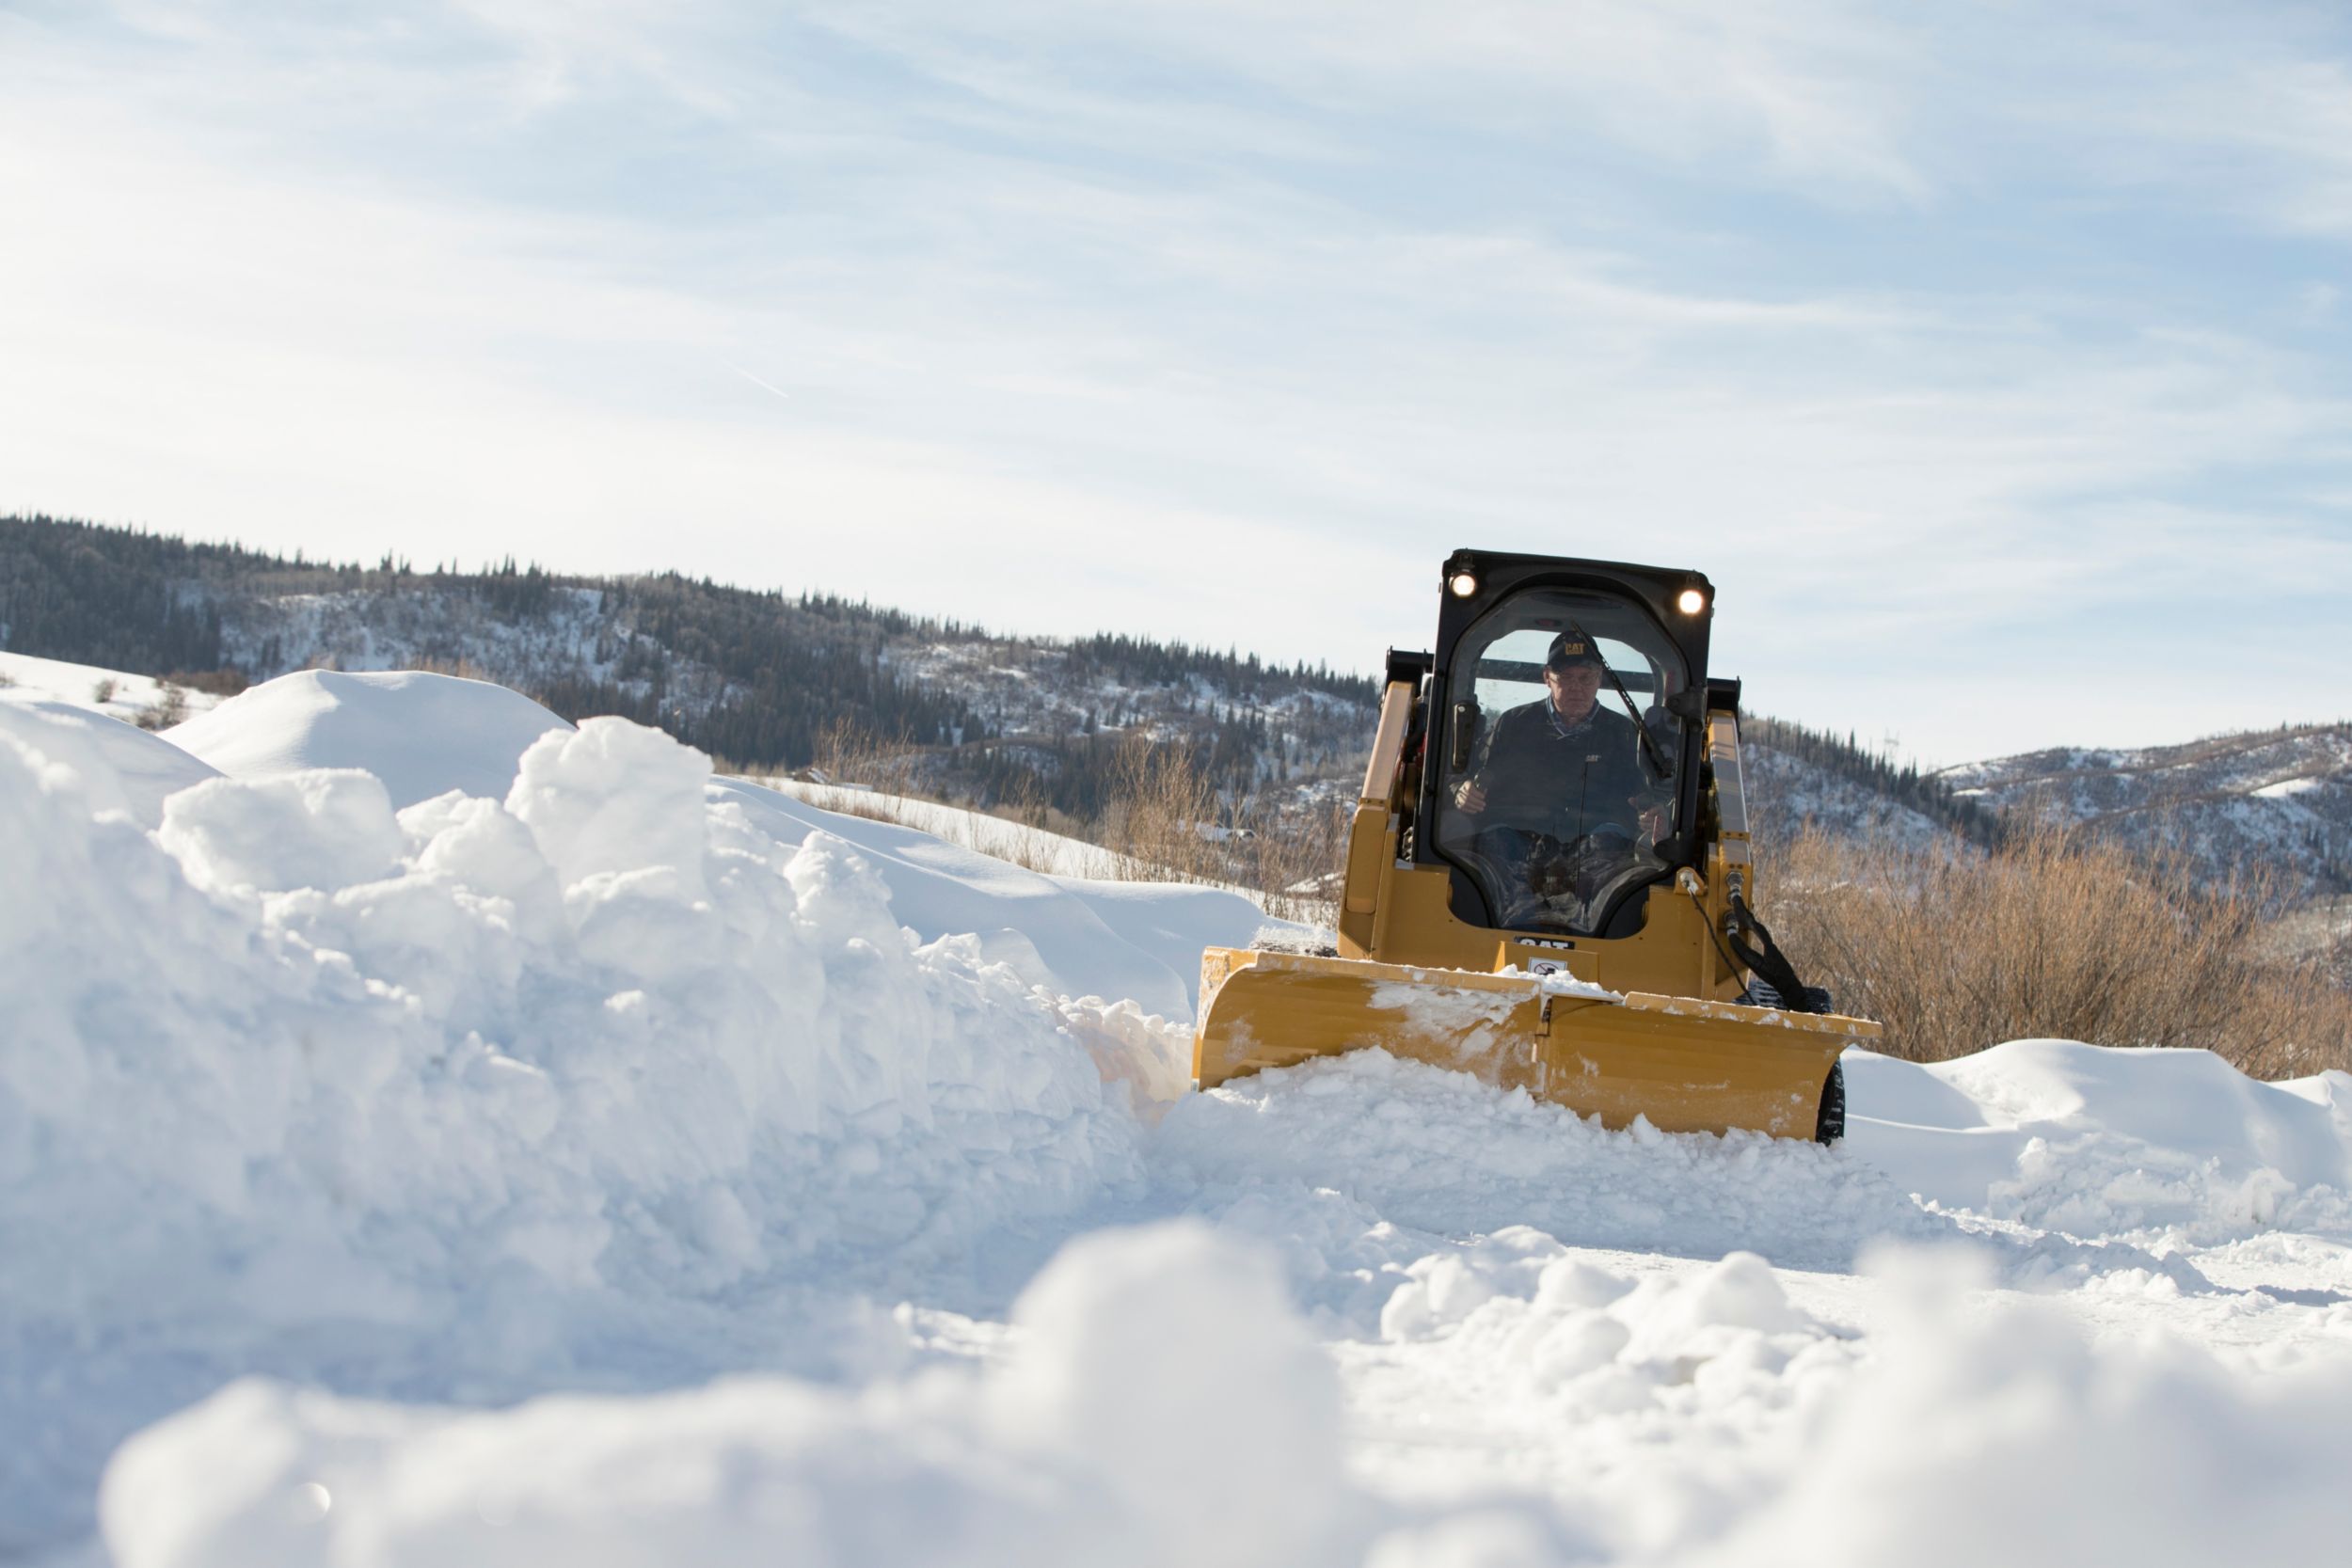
(103, 693)
(169, 708)
(847, 753)
(2057, 935)
(1160, 805)
(1022, 845)
(463, 668)
(226, 681)
(1295, 860)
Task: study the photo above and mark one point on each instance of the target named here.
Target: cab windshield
(1560, 764)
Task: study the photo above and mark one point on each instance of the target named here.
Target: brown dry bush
(1293, 862)
(461, 667)
(170, 707)
(226, 681)
(1160, 801)
(855, 766)
(2055, 935)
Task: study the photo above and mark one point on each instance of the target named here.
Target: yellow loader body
(1646, 1020)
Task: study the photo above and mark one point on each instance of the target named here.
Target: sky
(1990, 357)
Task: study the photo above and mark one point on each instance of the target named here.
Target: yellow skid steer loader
(1548, 880)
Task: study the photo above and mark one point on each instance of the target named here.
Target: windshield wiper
(1649, 746)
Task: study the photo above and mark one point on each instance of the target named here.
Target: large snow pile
(294, 1059)
(424, 734)
(421, 735)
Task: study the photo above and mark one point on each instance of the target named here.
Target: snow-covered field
(124, 696)
(431, 1133)
(1057, 854)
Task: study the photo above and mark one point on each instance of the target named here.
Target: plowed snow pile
(503, 1074)
(621, 1167)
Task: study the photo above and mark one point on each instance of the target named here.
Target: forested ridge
(762, 679)
(766, 680)
(1876, 774)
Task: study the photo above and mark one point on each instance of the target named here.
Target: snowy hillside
(2281, 799)
(117, 693)
(1788, 792)
(609, 1163)
(760, 679)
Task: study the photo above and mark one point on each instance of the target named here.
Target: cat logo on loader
(1548, 877)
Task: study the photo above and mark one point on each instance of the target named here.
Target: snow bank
(2100, 1141)
(124, 767)
(479, 1085)
(1165, 1408)
(424, 734)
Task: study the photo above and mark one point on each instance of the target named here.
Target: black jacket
(1542, 781)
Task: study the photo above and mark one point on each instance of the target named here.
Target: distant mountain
(1798, 777)
(2276, 800)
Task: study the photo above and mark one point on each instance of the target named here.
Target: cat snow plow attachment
(1548, 875)
(1686, 1065)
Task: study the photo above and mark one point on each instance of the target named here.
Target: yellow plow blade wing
(1686, 1065)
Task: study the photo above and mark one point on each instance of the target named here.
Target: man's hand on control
(1469, 796)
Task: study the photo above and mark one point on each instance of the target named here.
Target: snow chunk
(325, 830)
(613, 797)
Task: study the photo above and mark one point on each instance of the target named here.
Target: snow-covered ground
(431, 1133)
(113, 692)
(1038, 849)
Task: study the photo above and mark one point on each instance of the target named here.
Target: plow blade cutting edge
(1686, 1065)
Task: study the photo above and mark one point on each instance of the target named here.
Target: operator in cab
(1562, 779)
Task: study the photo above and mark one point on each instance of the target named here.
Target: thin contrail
(762, 385)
